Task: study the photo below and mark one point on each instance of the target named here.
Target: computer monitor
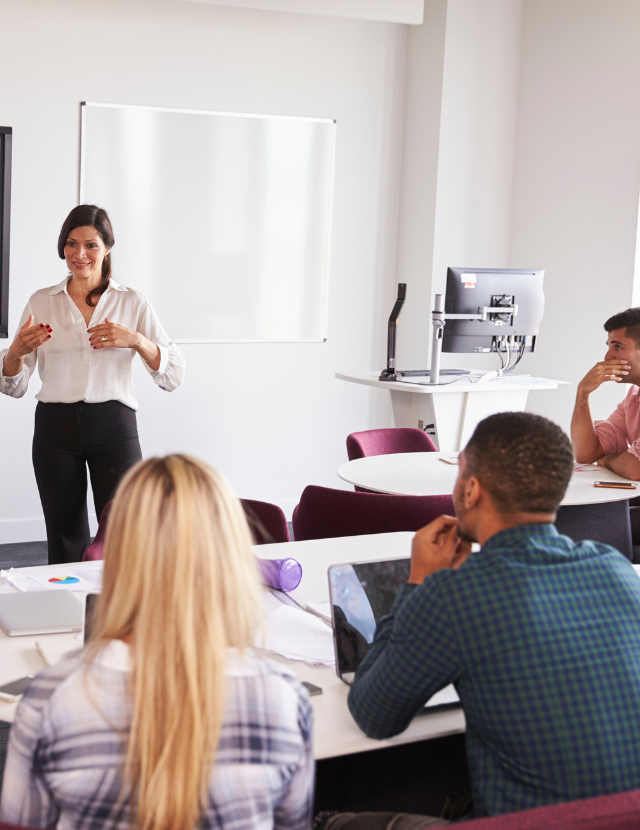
(469, 289)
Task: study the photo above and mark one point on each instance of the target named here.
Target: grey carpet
(23, 554)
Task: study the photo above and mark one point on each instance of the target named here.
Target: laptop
(89, 612)
(361, 594)
(40, 612)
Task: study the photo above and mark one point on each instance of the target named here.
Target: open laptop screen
(361, 595)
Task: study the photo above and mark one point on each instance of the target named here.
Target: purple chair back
(96, 548)
(388, 441)
(267, 522)
(606, 812)
(324, 513)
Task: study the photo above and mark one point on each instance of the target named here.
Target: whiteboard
(222, 220)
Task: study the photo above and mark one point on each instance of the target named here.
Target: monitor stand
(438, 320)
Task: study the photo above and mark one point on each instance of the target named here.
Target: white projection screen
(222, 220)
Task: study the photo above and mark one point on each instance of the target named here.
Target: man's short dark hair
(628, 320)
(523, 461)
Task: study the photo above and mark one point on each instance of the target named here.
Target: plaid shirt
(541, 637)
(67, 748)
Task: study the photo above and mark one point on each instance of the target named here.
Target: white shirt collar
(115, 655)
(62, 286)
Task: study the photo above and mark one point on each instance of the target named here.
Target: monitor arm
(390, 372)
(438, 320)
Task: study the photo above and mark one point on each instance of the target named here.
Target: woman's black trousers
(68, 438)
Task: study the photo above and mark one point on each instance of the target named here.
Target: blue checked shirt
(68, 742)
(541, 637)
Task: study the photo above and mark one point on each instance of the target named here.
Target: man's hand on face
(615, 370)
(435, 547)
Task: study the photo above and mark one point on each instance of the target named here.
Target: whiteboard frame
(81, 182)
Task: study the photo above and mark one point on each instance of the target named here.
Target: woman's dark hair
(90, 216)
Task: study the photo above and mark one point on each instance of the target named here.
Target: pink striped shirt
(621, 430)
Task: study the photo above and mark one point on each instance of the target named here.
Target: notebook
(361, 594)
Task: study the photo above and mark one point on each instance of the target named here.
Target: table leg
(453, 415)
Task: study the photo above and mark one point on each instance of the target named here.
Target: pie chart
(64, 580)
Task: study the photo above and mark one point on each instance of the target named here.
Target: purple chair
(606, 812)
(324, 513)
(387, 442)
(267, 522)
(96, 548)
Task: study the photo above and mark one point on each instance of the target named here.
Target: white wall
(577, 182)
(272, 417)
(458, 165)
(417, 213)
(394, 11)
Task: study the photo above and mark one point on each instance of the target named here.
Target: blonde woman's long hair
(180, 585)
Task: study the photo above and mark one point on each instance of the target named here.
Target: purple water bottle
(284, 574)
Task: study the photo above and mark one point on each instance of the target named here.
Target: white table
(335, 731)
(453, 409)
(424, 474)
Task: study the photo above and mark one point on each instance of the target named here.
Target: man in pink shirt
(614, 443)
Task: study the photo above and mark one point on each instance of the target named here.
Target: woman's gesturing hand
(110, 335)
(28, 338)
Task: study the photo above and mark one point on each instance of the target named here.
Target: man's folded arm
(625, 464)
(414, 655)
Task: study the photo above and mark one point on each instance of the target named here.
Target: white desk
(423, 474)
(454, 409)
(335, 732)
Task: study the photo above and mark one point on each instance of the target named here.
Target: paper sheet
(516, 379)
(321, 610)
(298, 635)
(446, 695)
(52, 653)
(86, 576)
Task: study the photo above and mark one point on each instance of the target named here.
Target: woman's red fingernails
(48, 337)
(41, 325)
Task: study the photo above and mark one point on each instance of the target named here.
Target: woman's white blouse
(71, 369)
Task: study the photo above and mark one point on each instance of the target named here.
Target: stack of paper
(297, 635)
(321, 609)
(79, 576)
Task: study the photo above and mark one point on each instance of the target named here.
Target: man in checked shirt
(540, 635)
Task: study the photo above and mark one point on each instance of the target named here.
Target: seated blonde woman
(167, 720)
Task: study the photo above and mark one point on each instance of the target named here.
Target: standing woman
(83, 334)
